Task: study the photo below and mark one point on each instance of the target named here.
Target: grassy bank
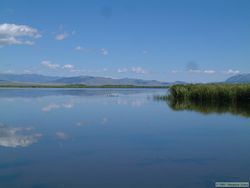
(210, 98)
(211, 92)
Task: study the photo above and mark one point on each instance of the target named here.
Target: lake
(116, 138)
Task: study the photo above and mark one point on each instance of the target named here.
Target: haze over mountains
(29, 78)
(85, 80)
(97, 81)
(240, 78)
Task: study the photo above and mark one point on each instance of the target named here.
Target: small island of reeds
(210, 98)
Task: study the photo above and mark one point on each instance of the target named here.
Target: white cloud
(194, 71)
(50, 65)
(138, 70)
(104, 51)
(75, 70)
(71, 68)
(27, 71)
(175, 71)
(209, 71)
(85, 50)
(9, 71)
(18, 30)
(202, 71)
(230, 71)
(11, 34)
(122, 70)
(68, 66)
(62, 36)
(92, 70)
(79, 48)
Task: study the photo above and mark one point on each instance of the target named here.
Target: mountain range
(85, 80)
(97, 81)
(240, 78)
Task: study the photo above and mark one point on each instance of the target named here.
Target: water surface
(115, 138)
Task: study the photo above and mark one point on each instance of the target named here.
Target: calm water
(114, 138)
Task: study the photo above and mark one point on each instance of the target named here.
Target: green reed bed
(211, 92)
(210, 98)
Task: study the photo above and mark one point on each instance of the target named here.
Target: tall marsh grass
(212, 92)
(210, 98)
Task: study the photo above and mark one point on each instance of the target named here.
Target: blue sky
(195, 40)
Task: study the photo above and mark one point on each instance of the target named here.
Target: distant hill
(85, 80)
(34, 78)
(240, 78)
(95, 81)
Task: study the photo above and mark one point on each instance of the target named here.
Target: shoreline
(76, 86)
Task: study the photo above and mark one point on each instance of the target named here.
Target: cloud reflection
(53, 106)
(50, 107)
(16, 137)
(61, 135)
(82, 123)
(131, 102)
(104, 120)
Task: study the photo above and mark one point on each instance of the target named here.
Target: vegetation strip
(77, 86)
(211, 92)
(210, 98)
